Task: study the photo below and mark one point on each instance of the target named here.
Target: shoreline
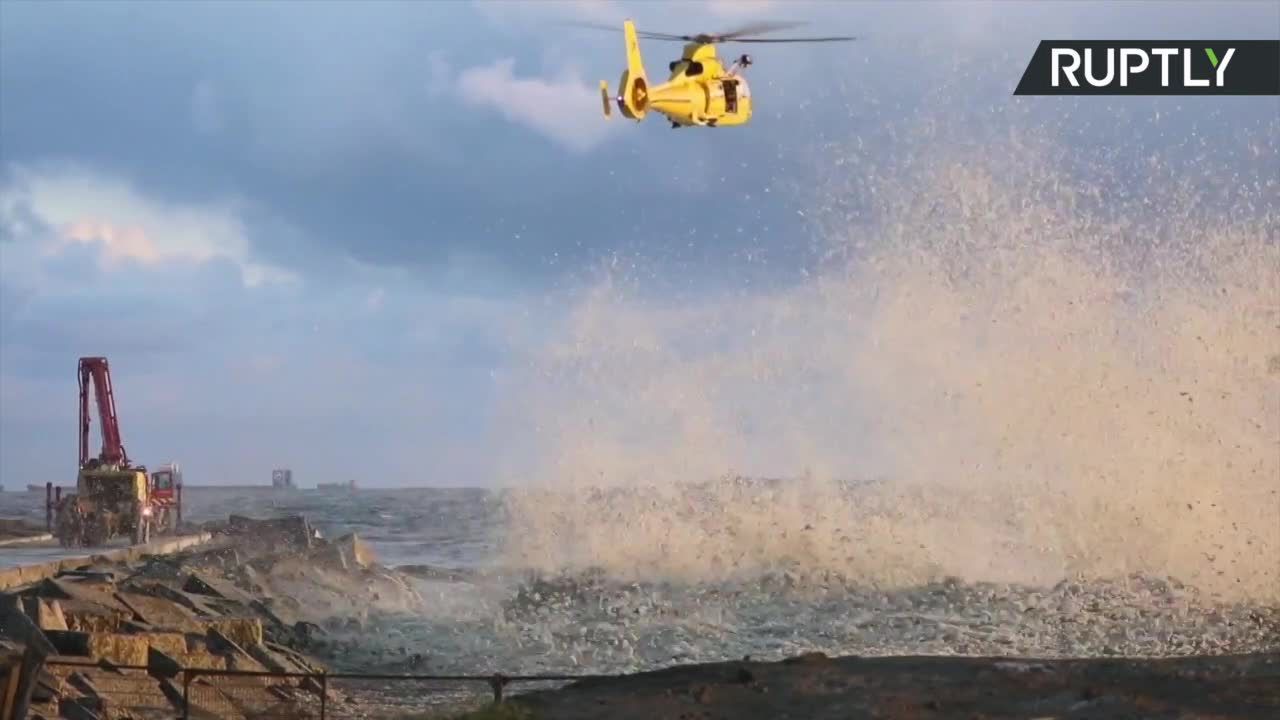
(817, 687)
(275, 597)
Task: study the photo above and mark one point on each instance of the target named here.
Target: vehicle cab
(165, 480)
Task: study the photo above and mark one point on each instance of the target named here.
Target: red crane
(95, 370)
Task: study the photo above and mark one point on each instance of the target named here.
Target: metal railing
(258, 695)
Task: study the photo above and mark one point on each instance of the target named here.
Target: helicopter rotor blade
(792, 40)
(738, 35)
(641, 33)
(756, 28)
(663, 36)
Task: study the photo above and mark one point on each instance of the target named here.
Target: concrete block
(242, 631)
(47, 614)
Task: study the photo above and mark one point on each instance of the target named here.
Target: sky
(319, 235)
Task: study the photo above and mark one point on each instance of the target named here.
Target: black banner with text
(1153, 67)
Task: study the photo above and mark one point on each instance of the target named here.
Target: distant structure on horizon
(349, 485)
(282, 479)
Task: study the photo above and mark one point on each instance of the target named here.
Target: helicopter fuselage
(699, 91)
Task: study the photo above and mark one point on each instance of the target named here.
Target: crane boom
(94, 370)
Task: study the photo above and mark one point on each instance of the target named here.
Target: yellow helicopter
(700, 90)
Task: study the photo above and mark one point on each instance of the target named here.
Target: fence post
(497, 682)
(186, 694)
(324, 692)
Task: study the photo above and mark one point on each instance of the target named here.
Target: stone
(84, 592)
(160, 613)
(809, 658)
(202, 661)
(307, 632)
(118, 648)
(47, 613)
(236, 657)
(82, 683)
(293, 532)
(68, 642)
(211, 586)
(298, 659)
(93, 619)
(162, 665)
(356, 550)
(243, 631)
(346, 553)
(81, 709)
(265, 611)
(206, 608)
(194, 603)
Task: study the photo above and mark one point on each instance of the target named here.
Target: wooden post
(11, 690)
(29, 670)
(20, 627)
(497, 683)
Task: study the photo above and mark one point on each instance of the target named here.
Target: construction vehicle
(113, 497)
(166, 497)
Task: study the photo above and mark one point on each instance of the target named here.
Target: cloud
(77, 206)
(565, 109)
(204, 361)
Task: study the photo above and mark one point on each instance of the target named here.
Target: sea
(489, 608)
(447, 527)
(1023, 402)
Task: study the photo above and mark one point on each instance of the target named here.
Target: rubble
(120, 632)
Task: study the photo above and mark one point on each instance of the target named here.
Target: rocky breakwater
(131, 638)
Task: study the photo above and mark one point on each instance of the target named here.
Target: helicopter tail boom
(633, 97)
